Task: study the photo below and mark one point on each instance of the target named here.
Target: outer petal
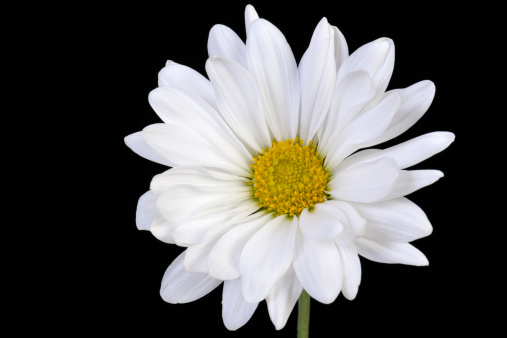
(183, 201)
(235, 311)
(147, 210)
(196, 258)
(351, 267)
(174, 105)
(405, 154)
(418, 149)
(203, 178)
(185, 145)
(194, 229)
(197, 214)
(365, 182)
(415, 101)
(390, 252)
(250, 16)
(181, 286)
(325, 222)
(139, 146)
(224, 42)
(361, 130)
(396, 220)
(410, 181)
(283, 297)
(341, 49)
(180, 106)
(354, 223)
(163, 230)
(317, 77)
(224, 258)
(176, 75)
(377, 58)
(266, 257)
(317, 266)
(240, 102)
(350, 96)
(272, 64)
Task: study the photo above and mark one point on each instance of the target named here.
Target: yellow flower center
(289, 177)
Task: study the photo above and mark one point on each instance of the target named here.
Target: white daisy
(271, 218)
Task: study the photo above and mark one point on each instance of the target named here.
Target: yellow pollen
(289, 177)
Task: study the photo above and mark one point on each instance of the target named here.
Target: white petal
(202, 178)
(317, 77)
(390, 252)
(174, 105)
(350, 95)
(239, 101)
(181, 286)
(365, 182)
(408, 153)
(250, 16)
(341, 50)
(266, 257)
(194, 229)
(353, 224)
(163, 230)
(177, 75)
(352, 92)
(139, 146)
(325, 222)
(377, 58)
(283, 297)
(235, 311)
(196, 257)
(409, 181)
(147, 210)
(224, 258)
(183, 201)
(418, 149)
(185, 145)
(396, 220)
(351, 268)
(224, 42)
(361, 156)
(362, 129)
(272, 64)
(318, 268)
(415, 101)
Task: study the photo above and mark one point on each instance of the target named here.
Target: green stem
(303, 315)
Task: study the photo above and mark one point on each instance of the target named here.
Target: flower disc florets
(289, 177)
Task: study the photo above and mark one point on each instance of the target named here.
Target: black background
(76, 81)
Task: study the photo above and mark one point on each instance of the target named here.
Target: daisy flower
(269, 191)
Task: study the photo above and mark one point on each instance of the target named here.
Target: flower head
(269, 189)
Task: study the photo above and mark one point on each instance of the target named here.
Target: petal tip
(230, 326)
(127, 139)
(385, 42)
(323, 21)
(279, 326)
(451, 136)
(429, 84)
